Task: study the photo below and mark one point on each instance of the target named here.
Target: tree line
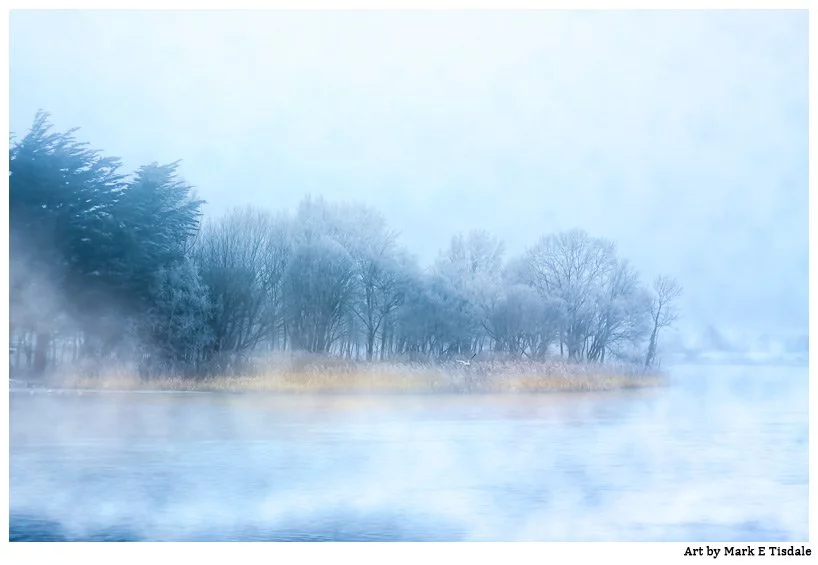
(109, 266)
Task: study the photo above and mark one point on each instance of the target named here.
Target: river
(721, 454)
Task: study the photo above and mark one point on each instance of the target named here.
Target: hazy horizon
(681, 136)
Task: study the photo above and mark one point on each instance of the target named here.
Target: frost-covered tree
(473, 264)
(319, 282)
(523, 323)
(663, 311)
(242, 257)
(89, 237)
(158, 215)
(174, 332)
(381, 290)
(435, 320)
(97, 253)
(61, 195)
(621, 319)
(377, 264)
(571, 267)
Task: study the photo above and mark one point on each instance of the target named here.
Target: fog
(633, 172)
(682, 136)
(719, 456)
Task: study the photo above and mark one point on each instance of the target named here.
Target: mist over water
(721, 455)
(289, 195)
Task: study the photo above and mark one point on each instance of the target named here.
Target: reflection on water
(720, 455)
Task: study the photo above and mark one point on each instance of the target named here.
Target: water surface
(721, 455)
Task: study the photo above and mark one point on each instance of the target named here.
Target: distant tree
(379, 288)
(159, 215)
(86, 242)
(242, 257)
(318, 287)
(663, 312)
(521, 322)
(155, 220)
(382, 290)
(61, 200)
(435, 320)
(622, 310)
(378, 277)
(174, 332)
(474, 265)
(571, 268)
(110, 257)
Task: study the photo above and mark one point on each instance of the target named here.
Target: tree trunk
(651, 347)
(383, 343)
(41, 352)
(370, 344)
(28, 349)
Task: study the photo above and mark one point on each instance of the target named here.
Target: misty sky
(681, 135)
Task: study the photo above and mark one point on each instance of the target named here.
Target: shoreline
(377, 379)
(329, 393)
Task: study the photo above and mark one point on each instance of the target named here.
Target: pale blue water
(722, 455)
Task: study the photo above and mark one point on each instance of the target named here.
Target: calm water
(722, 455)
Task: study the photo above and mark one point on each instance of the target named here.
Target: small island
(304, 375)
(120, 282)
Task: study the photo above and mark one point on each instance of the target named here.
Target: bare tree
(434, 320)
(382, 289)
(663, 312)
(372, 247)
(621, 313)
(571, 267)
(376, 286)
(241, 258)
(318, 284)
(474, 265)
(522, 323)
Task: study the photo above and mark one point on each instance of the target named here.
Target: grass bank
(327, 376)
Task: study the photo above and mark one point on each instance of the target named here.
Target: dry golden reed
(300, 375)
